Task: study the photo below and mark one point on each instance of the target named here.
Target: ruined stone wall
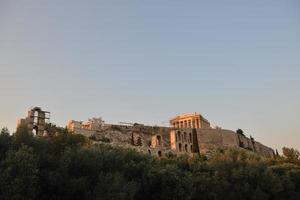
(157, 140)
(85, 132)
(147, 139)
(256, 147)
(245, 142)
(35, 121)
(229, 138)
(210, 140)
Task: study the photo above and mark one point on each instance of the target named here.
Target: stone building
(182, 140)
(35, 121)
(190, 121)
(86, 128)
(189, 134)
(207, 141)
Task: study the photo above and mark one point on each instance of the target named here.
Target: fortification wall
(156, 140)
(147, 139)
(229, 138)
(85, 132)
(210, 140)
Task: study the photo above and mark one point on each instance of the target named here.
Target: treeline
(66, 166)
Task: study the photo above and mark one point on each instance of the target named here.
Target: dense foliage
(66, 166)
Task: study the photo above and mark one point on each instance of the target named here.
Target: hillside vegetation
(68, 166)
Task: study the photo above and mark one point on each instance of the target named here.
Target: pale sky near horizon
(236, 62)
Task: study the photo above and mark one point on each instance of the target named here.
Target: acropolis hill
(188, 134)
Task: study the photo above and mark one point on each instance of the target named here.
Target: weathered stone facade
(189, 134)
(178, 140)
(35, 121)
(206, 141)
(146, 139)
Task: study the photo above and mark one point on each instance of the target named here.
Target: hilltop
(68, 166)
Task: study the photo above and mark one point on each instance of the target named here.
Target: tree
(4, 131)
(67, 166)
(291, 154)
(19, 175)
(114, 186)
(23, 137)
(5, 141)
(240, 132)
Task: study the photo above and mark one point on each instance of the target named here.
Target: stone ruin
(35, 121)
(188, 134)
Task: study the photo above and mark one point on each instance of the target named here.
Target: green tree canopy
(19, 175)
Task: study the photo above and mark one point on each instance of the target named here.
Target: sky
(237, 62)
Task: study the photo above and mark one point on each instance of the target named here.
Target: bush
(66, 166)
(104, 139)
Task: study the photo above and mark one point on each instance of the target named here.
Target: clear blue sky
(236, 62)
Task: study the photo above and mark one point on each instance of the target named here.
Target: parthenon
(190, 121)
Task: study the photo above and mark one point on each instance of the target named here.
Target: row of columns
(187, 124)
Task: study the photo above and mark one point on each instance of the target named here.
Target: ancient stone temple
(35, 121)
(190, 121)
